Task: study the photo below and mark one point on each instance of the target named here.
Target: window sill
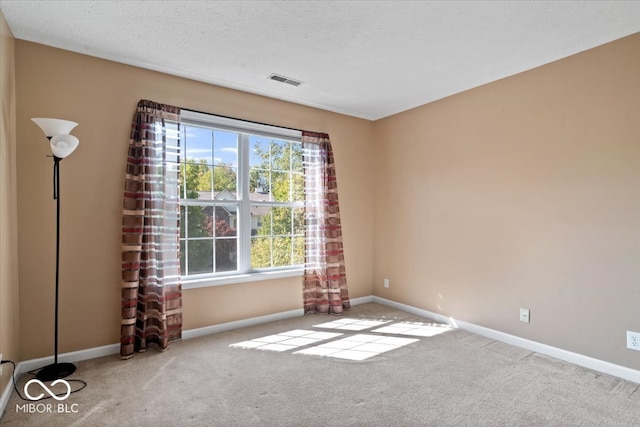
(205, 282)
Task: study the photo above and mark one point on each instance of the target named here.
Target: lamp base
(56, 371)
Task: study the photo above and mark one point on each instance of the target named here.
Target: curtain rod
(244, 120)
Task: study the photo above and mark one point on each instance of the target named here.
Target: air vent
(283, 79)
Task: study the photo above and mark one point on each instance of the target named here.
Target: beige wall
(521, 193)
(9, 346)
(102, 96)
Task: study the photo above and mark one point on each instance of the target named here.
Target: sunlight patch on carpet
(287, 340)
(351, 347)
(347, 324)
(357, 347)
(417, 329)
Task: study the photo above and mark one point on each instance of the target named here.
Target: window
(241, 198)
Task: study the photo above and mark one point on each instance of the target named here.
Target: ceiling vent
(283, 79)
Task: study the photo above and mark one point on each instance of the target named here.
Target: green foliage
(281, 169)
(279, 172)
(196, 177)
(224, 178)
(200, 177)
(278, 241)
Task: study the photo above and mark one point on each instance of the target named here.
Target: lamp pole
(56, 370)
(62, 144)
(56, 196)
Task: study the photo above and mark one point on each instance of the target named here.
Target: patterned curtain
(325, 280)
(151, 289)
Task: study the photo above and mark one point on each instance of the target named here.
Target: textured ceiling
(368, 59)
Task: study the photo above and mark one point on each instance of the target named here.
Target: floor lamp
(62, 144)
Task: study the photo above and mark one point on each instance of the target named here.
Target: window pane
(281, 251)
(200, 256)
(280, 155)
(198, 145)
(298, 250)
(199, 221)
(296, 157)
(281, 220)
(226, 218)
(280, 186)
(196, 178)
(260, 220)
(225, 178)
(183, 253)
(257, 196)
(225, 148)
(259, 182)
(210, 172)
(259, 152)
(182, 221)
(260, 252)
(226, 255)
(297, 183)
(298, 221)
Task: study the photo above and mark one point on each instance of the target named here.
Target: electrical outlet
(633, 340)
(524, 315)
(386, 283)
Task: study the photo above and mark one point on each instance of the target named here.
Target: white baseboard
(74, 356)
(414, 310)
(252, 321)
(108, 350)
(33, 364)
(111, 349)
(6, 394)
(568, 356)
(362, 300)
(236, 324)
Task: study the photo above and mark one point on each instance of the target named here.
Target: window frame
(244, 129)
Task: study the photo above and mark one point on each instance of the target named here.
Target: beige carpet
(453, 378)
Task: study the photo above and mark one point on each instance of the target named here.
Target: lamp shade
(63, 145)
(52, 127)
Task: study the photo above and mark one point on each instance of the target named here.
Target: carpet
(448, 378)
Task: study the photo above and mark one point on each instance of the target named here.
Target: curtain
(325, 280)
(151, 289)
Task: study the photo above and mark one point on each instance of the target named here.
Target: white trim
(361, 300)
(414, 310)
(568, 356)
(32, 364)
(243, 323)
(108, 350)
(74, 356)
(6, 394)
(205, 282)
(575, 358)
(252, 321)
(244, 208)
(244, 131)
